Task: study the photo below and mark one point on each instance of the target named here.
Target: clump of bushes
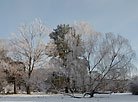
(133, 86)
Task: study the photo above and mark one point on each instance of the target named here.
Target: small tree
(15, 73)
(133, 86)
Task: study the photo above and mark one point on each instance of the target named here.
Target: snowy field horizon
(115, 97)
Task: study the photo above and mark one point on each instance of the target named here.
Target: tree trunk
(83, 86)
(66, 90)
(28, 89)
(28, 84)
(91, 94)
(15, 91)
(67, 85)
(90, 82)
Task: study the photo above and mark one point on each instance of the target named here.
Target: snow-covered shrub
(133, 86)
(3, 82)
(8, 89)
(38, 80)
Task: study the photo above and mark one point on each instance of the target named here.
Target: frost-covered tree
(60, 48)
(15, 73)
(91, 39)
(29, 45)
(112, 58)
(76, 65)
(108, 56)
(66, 49)
(58, 36)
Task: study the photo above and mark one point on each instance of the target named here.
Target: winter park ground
(125, 97)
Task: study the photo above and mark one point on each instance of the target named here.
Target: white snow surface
(61, 98)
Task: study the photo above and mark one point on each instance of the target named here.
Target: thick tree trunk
(28, 84)
(91, 94)
(28, 89)
(67, 85)
(15, 91)
(66, 89)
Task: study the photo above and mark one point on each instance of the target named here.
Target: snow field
(61, 98)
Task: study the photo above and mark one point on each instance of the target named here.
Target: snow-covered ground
(61, 98)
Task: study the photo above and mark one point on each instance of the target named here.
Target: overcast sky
(117, 16)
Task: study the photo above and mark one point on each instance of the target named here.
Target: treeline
(75, 59)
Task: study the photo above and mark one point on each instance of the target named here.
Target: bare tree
(113, 56)
(30, 47)
(91, 40)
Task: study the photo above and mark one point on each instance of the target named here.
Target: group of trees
(75, 59)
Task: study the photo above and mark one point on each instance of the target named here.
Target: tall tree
(107, 56)
(29, 45)
(91, 39)
(61, 48)
(66, 50)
